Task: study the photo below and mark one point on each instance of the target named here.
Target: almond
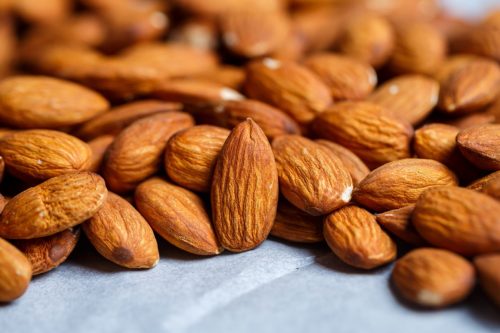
(136, 152)
(366, 130)
(433, 278)
(488, 270)
(398, 223)
(452, 64)
(15, 272)
(193, 91)
(310, 177)
(228, 76)
(41, 154)
(288, 86)
(53, 206)
(99, 146)
(244, 190)
(481, 146)
(355, 237)
(400, 183)
(489, 185)
(191, 154)
(471, 120)
(178, 215)
(120, 234)
(457, 219)
(48, 252)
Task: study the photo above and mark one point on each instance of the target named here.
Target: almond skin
(366, 130)
(44, 102)
(35, 155)
(458, 219)
(99, 146)
(15, 272)
(53, 206)
(48, 252)
(120, 234)
(244, 190)
(398, 222)
(355, 237)
(481, 146)
(310, 177)
(288, 86)
(191, 154)
(433, 278)
(489, 185)
(178, 215)
(488, 270)
(193, 91)
(136, 152)
(400, 183)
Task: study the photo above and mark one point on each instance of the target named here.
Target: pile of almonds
(369, 124)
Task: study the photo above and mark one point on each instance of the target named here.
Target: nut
(15, 272)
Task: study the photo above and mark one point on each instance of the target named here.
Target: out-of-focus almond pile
(371, 125)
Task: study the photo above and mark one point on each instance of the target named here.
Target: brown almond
(53, 206)
(177, 215)
(244, 190)
(433, 278)
(452, 64)
(194, 91)
(398, 222)
(458, 219)
(481, 146)
(15, 272)
(136, 152)
(355, 237)
(99, 146)
(400, 183)
(191, 154)
(120, 234)
(488, 271)
(310, 177)
(489, 184)
(228, 76)
(471, 120)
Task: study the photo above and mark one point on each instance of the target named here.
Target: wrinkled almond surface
(481, 146)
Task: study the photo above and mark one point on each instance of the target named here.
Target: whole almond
(178, 215)
(400, 183)
(452, 64)
(398, 223)
(433, 277)
(136, 152)
(35, 155)
(310, 177)
(99, 146)
(481, 146)
(366, 130)
(15, 272)
(288, 86)
(355, 237)
(53, 206)
(244, 190)
(458, 219)
(488, 271)
(193, 91)
(48, 252)
(191, 154)
(120, 234)
(44, 102)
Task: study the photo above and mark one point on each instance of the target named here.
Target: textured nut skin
(46, 253)
(398, 223)
(136, 152)
(244, 190)
(294, 225)
(481, 146)
(399, 183)
(53, 206)
(44, 102)
(408, 97)
(288, 86)
(120, 234)
(15, 272)
(99, 146)
(178, 215)
(191, 154)
(310, 177)
(366, 130)
(457, 219)
(433, 278)
(355, 237)
(488, 270)
(35, 155)
(357, 169)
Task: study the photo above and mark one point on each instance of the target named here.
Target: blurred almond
(488, 270)
(195, 91)
(489, 184)
(15, 272)
(398, 222)
(481, 145)
(99, 146)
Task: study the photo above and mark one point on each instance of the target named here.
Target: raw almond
(194, 91)
(99, 146)
(244, 190)
(488, 270)
(178, 215)
(481, 145)
(226, 75)
(398, 222)
(433, 278)
(489, 185)
(53, 206)
(355, 237)
(15, 272)
(120, 234)
(458, 219)
(191, 154)
(310, 177)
